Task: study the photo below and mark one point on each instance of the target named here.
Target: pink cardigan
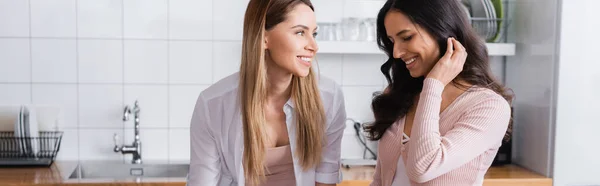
(455, 147)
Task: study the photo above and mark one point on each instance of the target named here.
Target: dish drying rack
(502, 23)
(19, 151)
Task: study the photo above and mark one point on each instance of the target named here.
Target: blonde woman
(275, 122)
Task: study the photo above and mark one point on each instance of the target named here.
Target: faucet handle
(126, 112)
(116, 139)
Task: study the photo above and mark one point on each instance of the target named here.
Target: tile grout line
(30, 57)
(125, 38)
(168, 81)
(77, 78)
(212, 41)
(123, 72)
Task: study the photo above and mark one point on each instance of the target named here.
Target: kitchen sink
(99, 170)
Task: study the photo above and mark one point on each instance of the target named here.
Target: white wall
(93, 57)
(577, 125)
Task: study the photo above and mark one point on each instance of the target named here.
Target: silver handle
(126, 113)
(116, 139)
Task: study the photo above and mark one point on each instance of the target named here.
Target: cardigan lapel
(389, 152)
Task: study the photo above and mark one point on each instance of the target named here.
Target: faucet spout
(136, 148)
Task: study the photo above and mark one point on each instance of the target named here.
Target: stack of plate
(27, 132)
(486, 17)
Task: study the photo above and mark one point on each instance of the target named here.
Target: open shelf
(359, 47)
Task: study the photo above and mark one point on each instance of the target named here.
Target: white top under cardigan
(217, 139)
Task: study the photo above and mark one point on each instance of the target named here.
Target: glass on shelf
(349, 29)
(329, 32)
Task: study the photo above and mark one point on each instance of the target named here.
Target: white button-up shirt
(217, 139)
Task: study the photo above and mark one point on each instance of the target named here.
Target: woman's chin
(415, 74)
(301, 72)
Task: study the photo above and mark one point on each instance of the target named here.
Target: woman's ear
(266, 41)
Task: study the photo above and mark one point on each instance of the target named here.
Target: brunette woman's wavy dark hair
(441, 19)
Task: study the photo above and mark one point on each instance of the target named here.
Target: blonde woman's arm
(205, 165)
(328, 171)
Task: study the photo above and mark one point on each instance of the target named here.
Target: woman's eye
(300, 33)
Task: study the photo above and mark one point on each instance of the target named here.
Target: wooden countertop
(509, 175)
(354, 176)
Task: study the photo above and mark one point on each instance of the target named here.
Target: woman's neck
(279, 84)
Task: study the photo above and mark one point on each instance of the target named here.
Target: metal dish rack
(22, 151)
(504, 23)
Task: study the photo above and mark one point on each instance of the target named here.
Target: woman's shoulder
(327, 85)
(218, 101)
(222, 88)
(476, 97)
(331, 92)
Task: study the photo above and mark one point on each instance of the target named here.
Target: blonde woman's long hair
(262, 15)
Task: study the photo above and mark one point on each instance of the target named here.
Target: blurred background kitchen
(79, 66)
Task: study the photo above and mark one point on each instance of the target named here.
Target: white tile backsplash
(98, 144)
(54, 60)
(145, 19)
(53, 18)
(179, 144)
(100, 106)
(358, 102)
(190, 62)
(69, 145)
(15, 60)
(330, 65)
(100, 61)
(362, 8)
(146, 61)
(92, 57)
(13, 16)
(227, 56)
(153, 104)
(100, 18)
(188, 19)
(63, 96)
(182, 100)
(352, 148)
(228, 19)
(328, 11)
(363, 70)
(14, 94)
